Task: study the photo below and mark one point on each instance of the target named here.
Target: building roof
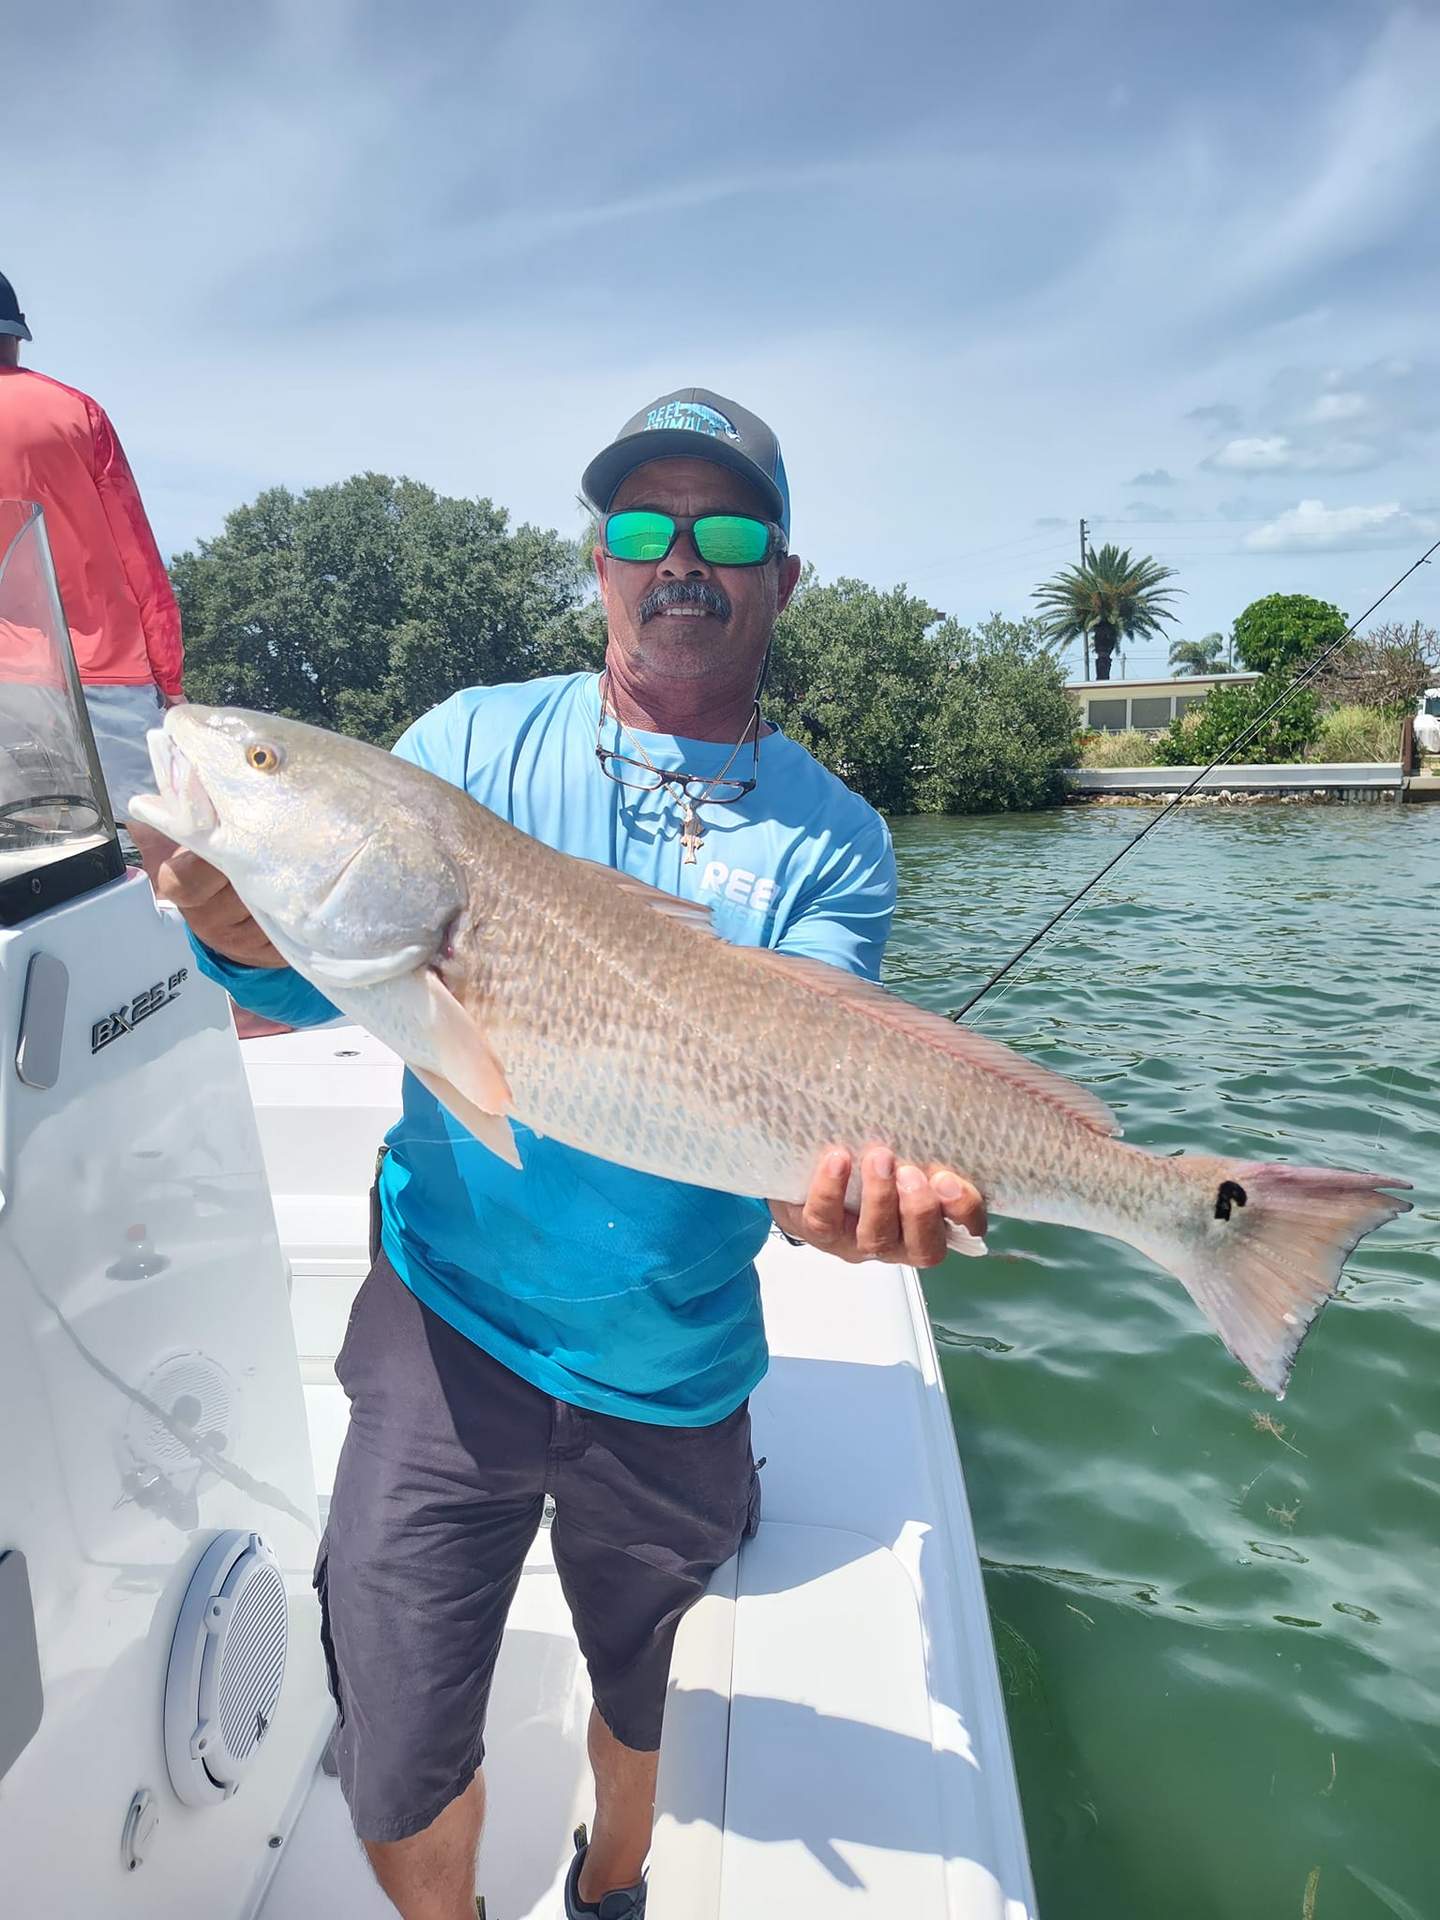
(1185, 683)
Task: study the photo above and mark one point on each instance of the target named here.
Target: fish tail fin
(1268, 1250)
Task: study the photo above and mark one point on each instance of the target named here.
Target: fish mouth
(181, 807)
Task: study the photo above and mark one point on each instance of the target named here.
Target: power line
(954, 559)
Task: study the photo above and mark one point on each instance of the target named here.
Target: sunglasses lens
(639, 535)
(731, 540)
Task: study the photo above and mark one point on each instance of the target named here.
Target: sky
(985, 269)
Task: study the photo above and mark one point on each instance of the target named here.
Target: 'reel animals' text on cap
(12, 320)
(705, 425)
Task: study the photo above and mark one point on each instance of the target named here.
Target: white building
(1112, 706)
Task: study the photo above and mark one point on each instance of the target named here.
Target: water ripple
(1215, 1616)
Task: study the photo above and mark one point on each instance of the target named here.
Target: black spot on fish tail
(1230, 1190)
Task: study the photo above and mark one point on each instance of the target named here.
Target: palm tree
(1198, 656)
(1112, 597)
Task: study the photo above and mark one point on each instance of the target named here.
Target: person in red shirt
(57, 446)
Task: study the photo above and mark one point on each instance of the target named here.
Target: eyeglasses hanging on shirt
(689, 791)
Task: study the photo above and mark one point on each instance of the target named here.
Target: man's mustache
(684, 593)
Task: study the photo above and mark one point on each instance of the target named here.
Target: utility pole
(1085, 636)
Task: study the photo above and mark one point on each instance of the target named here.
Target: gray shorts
(439, 1493)
(120, 717)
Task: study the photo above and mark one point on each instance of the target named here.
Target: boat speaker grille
(227, 1668)
(251, 1664)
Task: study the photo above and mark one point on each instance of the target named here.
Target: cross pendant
(692, 835)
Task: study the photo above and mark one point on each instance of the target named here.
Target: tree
(1387, 667)
(917, 713)
(1284, 630)
(359, 605)
(852, 672)
(1004, 728)
(1198, 656)
(1227, 711)
(1112, 597)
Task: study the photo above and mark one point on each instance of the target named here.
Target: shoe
(622, 1903)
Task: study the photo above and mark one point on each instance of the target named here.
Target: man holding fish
(564, 1300)
(540, 1320)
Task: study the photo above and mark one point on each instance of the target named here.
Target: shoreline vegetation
(359, 605)
(1346, 733)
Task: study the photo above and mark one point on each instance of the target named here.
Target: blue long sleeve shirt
(613, 1290)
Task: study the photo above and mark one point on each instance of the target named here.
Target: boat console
(162, 1692)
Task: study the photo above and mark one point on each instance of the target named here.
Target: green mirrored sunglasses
(720, 539)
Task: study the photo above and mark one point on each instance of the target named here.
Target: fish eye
(262, 758)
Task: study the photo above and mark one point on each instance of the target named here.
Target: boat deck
(835, 1738)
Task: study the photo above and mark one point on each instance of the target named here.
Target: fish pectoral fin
(464, 1053)
(490, 1129)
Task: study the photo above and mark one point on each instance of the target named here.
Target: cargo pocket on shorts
(321, 1584)
(752, 1516)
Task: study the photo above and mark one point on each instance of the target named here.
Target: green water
(1220, 1640)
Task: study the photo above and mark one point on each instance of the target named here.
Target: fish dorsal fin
(934, 1030)
(691, 913)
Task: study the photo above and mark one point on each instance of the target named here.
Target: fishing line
(1308, 673)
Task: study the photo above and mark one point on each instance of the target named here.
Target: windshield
(1432, 705)
(52, 797)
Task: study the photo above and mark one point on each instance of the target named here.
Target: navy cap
(704, 425)
(11, 319)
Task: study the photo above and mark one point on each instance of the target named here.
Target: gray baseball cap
(705, 425)
(12, 320)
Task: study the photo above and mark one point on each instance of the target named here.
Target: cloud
(1221, 414)
(1337, 406)
(1258, 454)
(410, 253)
(1144, 510)
(1278, 453)
(1312, 527)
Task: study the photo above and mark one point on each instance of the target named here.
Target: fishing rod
(1308, 673)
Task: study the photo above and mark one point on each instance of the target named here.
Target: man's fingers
(961, 1202)
(154, 846)
(922, 1220)
(189, 881)
(213, 910)
(824, 1212)
(904, 1214)
(877, 1232)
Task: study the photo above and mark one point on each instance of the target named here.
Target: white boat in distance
(184, 1221)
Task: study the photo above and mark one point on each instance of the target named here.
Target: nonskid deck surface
(537, 1782)
(835, 1737)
